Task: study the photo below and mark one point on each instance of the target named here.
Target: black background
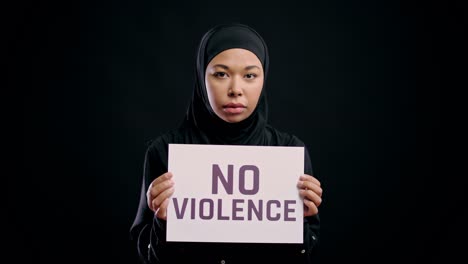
(360, 82)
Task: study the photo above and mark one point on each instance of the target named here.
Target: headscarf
(208, 127)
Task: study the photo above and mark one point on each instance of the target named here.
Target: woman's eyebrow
(221, 65)
(226, 67)
(251, 67)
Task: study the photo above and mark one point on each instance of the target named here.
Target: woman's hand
(311, 192)
(158, 194)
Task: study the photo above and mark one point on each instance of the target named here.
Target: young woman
(228, 107)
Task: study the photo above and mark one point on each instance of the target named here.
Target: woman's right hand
(158, 194)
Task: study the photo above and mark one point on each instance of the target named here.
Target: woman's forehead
(236, 56)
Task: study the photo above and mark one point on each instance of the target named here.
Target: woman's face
(234, 81)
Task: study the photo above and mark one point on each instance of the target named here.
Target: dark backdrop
(359, 81)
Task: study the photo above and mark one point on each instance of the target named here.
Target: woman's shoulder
(282, 138)
(175, 136)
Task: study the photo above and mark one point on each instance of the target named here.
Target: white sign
(238, 194)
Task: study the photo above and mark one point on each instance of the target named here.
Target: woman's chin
(234, 118)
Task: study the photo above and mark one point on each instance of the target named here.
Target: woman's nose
(235, 89)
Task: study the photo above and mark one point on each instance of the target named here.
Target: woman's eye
(250, 75)
(220, 74)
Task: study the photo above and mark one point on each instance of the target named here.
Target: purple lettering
(218, 175)
(192, 207)
(251, 208)
(180, 213)
(256, 180)
(269, 217)
(287, 210)
(210, 209)
(220, 211)
(241, 210)
(236, 209)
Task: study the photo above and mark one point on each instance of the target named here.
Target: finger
(307, 177)
(155, 182)
(162, 212)
(160, 198)
(149, 201)
(310, 208)
(166, 176)
(311, 196)
(155, 190)
(161, 187)
(307, 185)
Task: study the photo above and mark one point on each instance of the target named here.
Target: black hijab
(207, 127)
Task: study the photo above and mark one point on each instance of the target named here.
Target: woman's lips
(233, 108)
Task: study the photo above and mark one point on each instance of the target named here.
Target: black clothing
(203, 126)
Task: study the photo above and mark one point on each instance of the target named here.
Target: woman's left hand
(311, 192)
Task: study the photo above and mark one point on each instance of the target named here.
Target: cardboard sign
(238, 194)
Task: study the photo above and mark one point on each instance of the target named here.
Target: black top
(203, 126)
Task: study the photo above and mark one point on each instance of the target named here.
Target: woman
(228, 107)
